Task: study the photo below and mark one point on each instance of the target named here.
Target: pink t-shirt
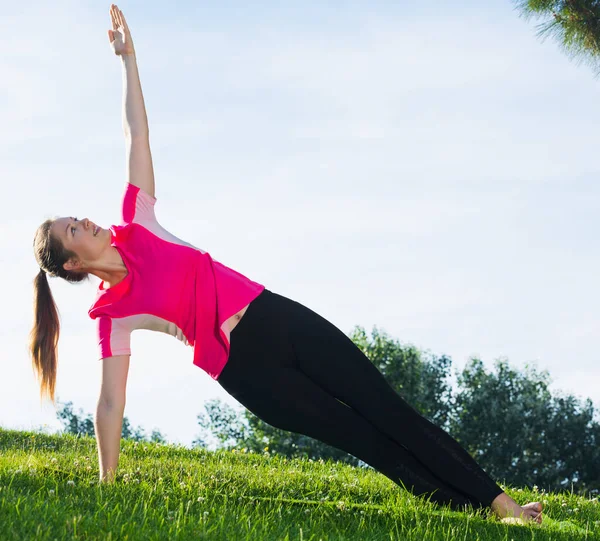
(171, 287)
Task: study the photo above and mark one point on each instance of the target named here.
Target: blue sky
(427, 169)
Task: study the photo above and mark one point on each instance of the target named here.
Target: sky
(429, 169)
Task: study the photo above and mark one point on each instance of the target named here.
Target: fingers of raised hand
(113, 17)
(117, 17)
(122, 20)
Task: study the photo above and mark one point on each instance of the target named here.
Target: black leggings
(298, 372)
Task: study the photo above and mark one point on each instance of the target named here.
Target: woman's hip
(260, 341)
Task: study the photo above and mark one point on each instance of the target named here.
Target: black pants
(298, 372)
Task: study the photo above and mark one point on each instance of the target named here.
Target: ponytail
(43, 338)
(50, 255)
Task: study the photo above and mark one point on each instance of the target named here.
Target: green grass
(49, 490)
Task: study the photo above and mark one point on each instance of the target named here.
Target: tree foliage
(574, 23)
(519, 432)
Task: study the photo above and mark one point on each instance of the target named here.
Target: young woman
(284, 362)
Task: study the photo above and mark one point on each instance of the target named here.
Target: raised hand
(119, 36)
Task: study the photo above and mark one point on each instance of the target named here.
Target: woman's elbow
(111, 401)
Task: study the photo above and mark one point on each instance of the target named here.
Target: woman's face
(78, 236)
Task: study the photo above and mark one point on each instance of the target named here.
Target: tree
(83, 425)
(73, 423)
(576, 24)
(223, 422)
(574, 436)
(518, 432)
(139, 434)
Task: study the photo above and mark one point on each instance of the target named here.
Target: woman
(285, 363)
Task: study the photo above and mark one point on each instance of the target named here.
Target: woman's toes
(533, 514)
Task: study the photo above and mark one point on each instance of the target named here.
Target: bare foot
(511, 512)
(534, 510)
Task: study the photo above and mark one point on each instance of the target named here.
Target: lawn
(49, 490)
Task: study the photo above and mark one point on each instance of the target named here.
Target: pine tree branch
(575, 24)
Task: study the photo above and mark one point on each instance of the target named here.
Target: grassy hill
(49, 490)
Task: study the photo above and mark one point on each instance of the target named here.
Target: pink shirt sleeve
(138, 206)
(114, 336)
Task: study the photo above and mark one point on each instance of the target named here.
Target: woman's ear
(72, 265)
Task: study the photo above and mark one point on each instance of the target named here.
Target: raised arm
(135, 122)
